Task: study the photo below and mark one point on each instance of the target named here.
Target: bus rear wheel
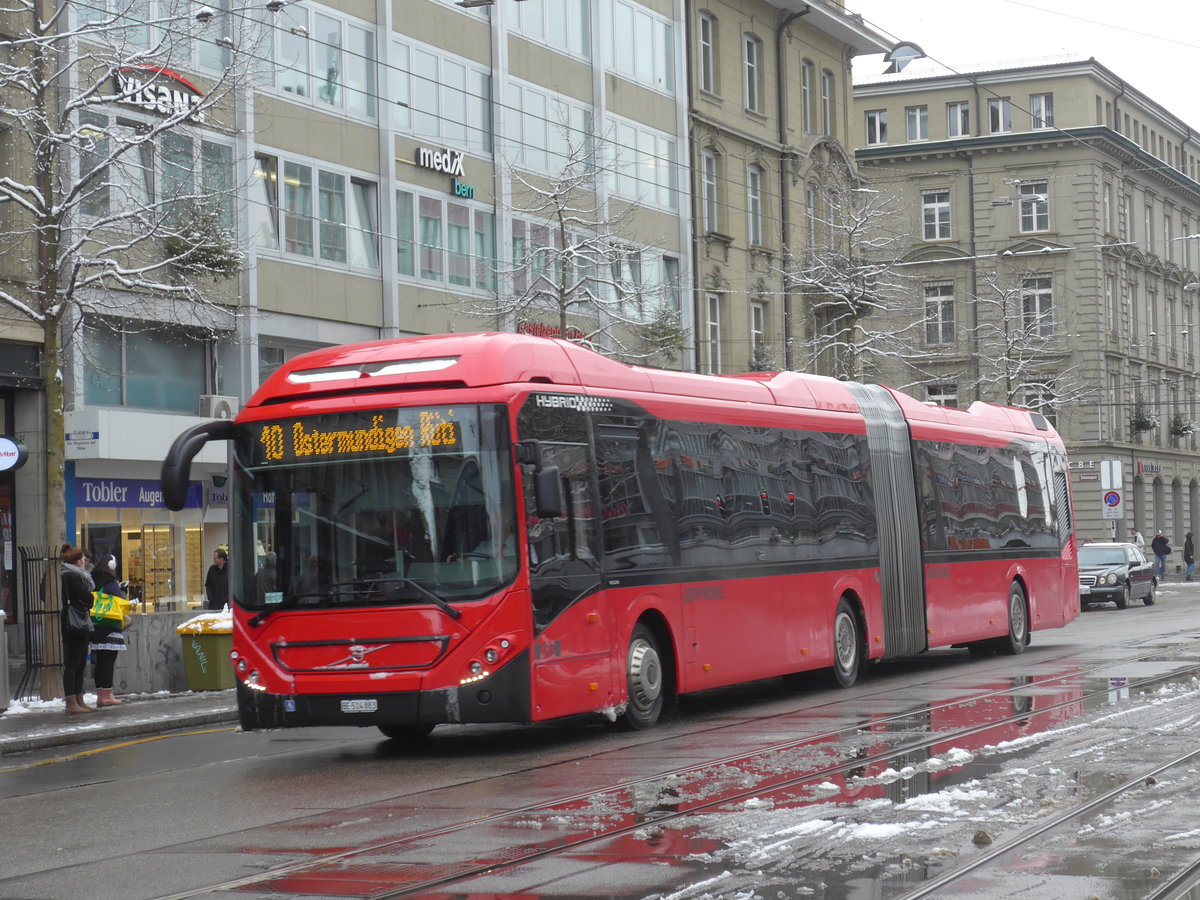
(847, 645)
(643, 681)
(1018, 622)
(408, 731)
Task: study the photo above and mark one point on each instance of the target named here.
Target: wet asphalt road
(165, 817)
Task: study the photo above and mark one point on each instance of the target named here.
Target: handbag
(78, 620)
(109, 609)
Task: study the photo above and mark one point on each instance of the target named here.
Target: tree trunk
(51, 680)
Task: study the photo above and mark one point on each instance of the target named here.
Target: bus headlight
(490, 655)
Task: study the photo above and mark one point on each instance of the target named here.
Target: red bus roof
(486, 359)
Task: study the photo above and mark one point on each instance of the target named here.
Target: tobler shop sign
(157, 89)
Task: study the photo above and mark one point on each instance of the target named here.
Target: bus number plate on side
(360, 706)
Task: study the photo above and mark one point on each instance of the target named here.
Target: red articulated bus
(507, 528)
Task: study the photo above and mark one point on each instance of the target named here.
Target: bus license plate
(360, 706)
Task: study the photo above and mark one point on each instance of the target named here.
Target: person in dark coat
(108, 637)
(1189, 555)
(1161, 548)
(216, 582)
(77, 587)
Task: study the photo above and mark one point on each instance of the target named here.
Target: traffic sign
(1113, 504)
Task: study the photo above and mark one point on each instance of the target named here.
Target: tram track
(415, 879)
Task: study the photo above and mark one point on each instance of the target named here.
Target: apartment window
(1112, 311)
(806, 95)
(708, 191)
(1148, 227)
(754, 212)
(321, 213)
(999, 115)
(1041, 108)
(943, 393)
(958, 119)
(939, 313)
(1109, 208)
(326, 59)
(935, 214)
(877, 126)
(644, 166)
(160, 367)
(1034, 206)
(917, 122)
(758, 327)
(827, 102)
(638, 44)
(810, 215)
(708, 53)
(442, 97)
(1039, 397)
(563, 26)
(1168, 237)
(444, 242)
(1126, 223)
(712, 332)
(1037, 305)
(752, 63)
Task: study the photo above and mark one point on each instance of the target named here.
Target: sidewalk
(34, 725)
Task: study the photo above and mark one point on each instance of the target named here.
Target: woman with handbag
(110, 615)
(76, 619)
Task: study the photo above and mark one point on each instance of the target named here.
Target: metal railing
(41, 589)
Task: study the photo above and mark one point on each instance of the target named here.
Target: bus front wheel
(643, 680)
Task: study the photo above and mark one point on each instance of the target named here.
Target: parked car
(1115, 573)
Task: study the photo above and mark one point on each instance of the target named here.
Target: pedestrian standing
(77, 587)
(1161, 547)
(1189, 556)
(216, 582)
(108, 634)
(1135, 538)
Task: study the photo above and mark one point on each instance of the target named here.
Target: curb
(85, 735)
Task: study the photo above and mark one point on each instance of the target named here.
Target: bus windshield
(371, 507)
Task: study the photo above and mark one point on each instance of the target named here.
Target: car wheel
(1152, 595)
(1018, 623)
(847, 645)
(1123, 600)
(644, 681)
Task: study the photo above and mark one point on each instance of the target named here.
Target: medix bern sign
(158, 90)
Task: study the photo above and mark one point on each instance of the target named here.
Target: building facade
(1053, 263)
(770, 111)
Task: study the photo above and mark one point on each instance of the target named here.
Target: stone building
(1053, 263)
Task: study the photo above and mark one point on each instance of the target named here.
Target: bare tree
(850, 276)
(577, 262)
(126, 209)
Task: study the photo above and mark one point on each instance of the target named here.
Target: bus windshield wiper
(286, 603)
(425, 593)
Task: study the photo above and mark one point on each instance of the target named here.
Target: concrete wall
(153, 660)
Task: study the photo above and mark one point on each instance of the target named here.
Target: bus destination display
(349, 435)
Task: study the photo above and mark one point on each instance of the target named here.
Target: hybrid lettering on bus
(509, 528)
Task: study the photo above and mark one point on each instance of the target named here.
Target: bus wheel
(847, 645)
(643, 680)
(414, 731)
(1018, 622)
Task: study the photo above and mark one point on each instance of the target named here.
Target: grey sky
(1152, 44)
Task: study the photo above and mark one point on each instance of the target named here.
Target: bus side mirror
(548, 493)
(177, 467)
